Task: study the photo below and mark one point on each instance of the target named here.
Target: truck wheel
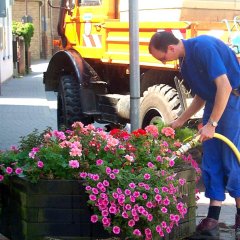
(159, 101)
(69, 103)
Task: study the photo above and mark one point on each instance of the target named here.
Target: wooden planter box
(50, 208)
(187, 225)
(58, 209)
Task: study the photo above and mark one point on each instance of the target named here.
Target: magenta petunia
(18, 171)
(9, 170)
(116, 230)
(94, 218)
(99, 162)
(73, 164)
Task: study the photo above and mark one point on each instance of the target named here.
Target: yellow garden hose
(184, 148)
(229, 143)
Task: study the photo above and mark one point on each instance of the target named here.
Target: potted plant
(24, 31)
(134, 187)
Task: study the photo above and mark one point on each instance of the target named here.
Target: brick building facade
(44, 20)
(32, 9)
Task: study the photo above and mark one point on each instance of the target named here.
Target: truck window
(89, 2)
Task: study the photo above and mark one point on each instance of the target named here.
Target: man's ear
(171, 48)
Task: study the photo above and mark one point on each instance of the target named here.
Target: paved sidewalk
(25, 106)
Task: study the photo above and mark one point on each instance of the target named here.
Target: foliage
(26, 30)
(130, 177)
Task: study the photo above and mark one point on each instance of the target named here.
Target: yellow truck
(90, 71)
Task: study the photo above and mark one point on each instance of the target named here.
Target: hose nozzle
(184, 148)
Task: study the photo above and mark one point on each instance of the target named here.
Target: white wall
(6, 56)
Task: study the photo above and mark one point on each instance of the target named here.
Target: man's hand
(206, 132)
(176, 123)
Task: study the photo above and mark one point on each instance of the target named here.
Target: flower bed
(136, 189)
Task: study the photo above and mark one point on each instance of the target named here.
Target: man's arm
(194, 107)
(222, 95)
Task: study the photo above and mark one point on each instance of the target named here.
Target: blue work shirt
(207, 58)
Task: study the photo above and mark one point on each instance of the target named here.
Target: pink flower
(33, 152)
(132, 185)
(172, 217)
(150, 165)
(128, 207)
(113, 210)
(18, 171)
(94, 218)
(88, 188)
(182, 181)
(73, 164)
(40, 164)
(124, 214)
(131, 223)
(127, 192)
(147, 176)
(158, 197)
(105, 183)
(164, 224)
(156, 190)
(148, 231)
(168, 229)
(75, 152)
(136, 218)
(164, 189)
(177, 144)
(106, 221)
(1, 178)
(168, 132)
(177, 218)
(95, 191)
(149, 217)
(159, 159)
(136, 194)
(112, 176)
(115, 195)
(83, 174)
(149, 205)
(152, 129)
(116, 171)
(47, 137)
(14, 148)
(95, 177)
(99, 162)
(166, 201)
(171, 163)
(144, 196)
(158, 228)
(137, 232)
(104, 213)
(132, 199)
(108, 170)
(92, 197)
(129, 158)
(164, 210)
(116, 230)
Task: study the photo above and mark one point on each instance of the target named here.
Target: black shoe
(208, 228)
(237, 227)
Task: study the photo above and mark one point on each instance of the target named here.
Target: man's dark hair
(161, 41)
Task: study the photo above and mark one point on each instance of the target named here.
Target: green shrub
(26, 30)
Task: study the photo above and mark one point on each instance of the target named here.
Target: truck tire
(69, 103)
(159, 101)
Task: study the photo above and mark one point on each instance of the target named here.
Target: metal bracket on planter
(183, 94)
